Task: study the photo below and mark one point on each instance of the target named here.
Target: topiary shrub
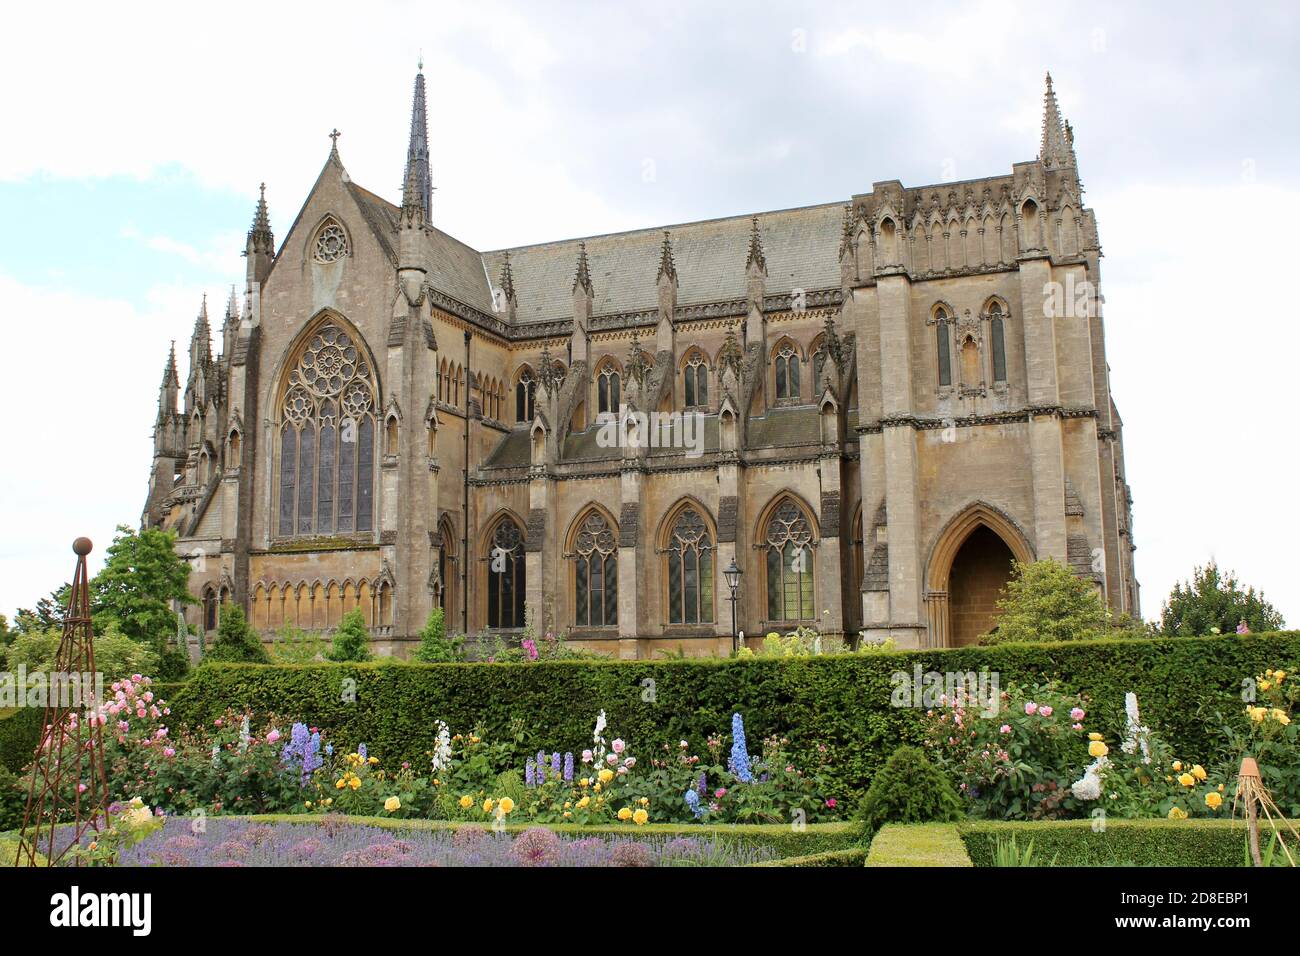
(236, 641)
(352, 638)
(910, 789)
(435, 646)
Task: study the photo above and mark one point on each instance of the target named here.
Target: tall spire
(755, 259)
(582, 278)
(667, 267)
(260, 238)
(417, 183)
(1053, 152)
(507, 283)
(201, 341)
(170, 375)
(846, 230)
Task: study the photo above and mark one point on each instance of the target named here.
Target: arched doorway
(969, 566)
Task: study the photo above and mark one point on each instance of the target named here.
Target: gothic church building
(896, 395)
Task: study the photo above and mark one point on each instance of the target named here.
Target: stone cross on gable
(334, 137)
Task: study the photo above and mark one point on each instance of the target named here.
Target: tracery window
(209, 610)
(505, 575)
(787, 373)
(697, 382)
(997, 338)
(944, 346)
(689, 558)
(525, 393)
(608, 387)
(788, 539)
(595, 578)
(327, 439)
(331, 242)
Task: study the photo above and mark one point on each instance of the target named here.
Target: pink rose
(169, 752)
(831, 803)
(1077, 714)
(586, 756)
(1031, 708)
(1076, 726)
(720, 792)
(618, 745)
(1005, 729)
(273, 736)
(1045, 711)
(611, 759)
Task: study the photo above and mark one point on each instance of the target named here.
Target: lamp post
(732, 574)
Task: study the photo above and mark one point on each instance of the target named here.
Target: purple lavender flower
(555, 764)
(568, 768)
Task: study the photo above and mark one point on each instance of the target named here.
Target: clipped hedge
(841, 701)
(1119, 843)
(853, 857)
(918, 844)
(814, 839)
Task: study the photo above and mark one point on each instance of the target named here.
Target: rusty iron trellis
(71, 751)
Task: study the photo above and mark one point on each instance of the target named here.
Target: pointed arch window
(608, 388)
(787, 373)
(505, 574)
(331, 242)
(695, 381)
(998, 342)
(327, 438)
(525, 393)
(209, 610)
(788, 541)
(595, 577)
(689, 559)
(944, 345)
(446, 568)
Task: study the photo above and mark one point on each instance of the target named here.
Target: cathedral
(851, 416)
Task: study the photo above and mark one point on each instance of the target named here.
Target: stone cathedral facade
(870, 407)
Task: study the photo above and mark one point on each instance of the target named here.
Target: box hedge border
(1185, 843)
(841, 701)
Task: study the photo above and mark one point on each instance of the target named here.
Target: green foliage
(236, 641)
(352, 639)
(1007, 852)
(839, 702)
(141, 578)
(1046, 601)
(293, 645)
(47, 615)
(13, 803)
(1213, 603)
(116, 655)
(1189, 843)
(435, 646)
(910, 789)
(853, 857)
(20, 732)
(918, 844)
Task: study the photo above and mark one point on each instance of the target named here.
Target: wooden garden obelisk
(68, 795)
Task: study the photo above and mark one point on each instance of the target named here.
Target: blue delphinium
(702, 785)
(739, 761)
(530, 777)
(329, 750)
(361, 751)
(302, 752)
(541, 767)
(568, 768)
(693, 802)
(555, 764)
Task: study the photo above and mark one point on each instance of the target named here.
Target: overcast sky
(132, 141)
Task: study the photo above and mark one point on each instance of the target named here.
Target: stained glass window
(790, 594)
(690, 570)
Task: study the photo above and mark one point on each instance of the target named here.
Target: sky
(133, 140)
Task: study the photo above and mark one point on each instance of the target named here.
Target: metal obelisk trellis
(71, 751)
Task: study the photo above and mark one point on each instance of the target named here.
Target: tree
(1046, 601)
(142, 579)
(1213, 602)
(909, 789)
(116, 655)
(435, 646)
(352, 638)
(236, 641)
(47, 615)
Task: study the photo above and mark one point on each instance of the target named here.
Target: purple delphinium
(541, 766)
(568, 768)
(555, 764)
(738, 763)
(702, 785)
(302, 752)
(361, 751)
(530, 777)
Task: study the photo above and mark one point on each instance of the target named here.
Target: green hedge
(840, 701)
(20, 732)
(854, 856)
(813, 839)
(918, 844)
(1119, 843)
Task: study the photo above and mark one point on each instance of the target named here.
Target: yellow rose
(392, 804)
(582, 804)
(640, 818)
(1187, 780)
(1213, 800)
(1177, 813)
(606, 775)
(488, 804)
(1178, 766)
(1095, 736)
(1281, 716)
(1279, 676)
(308, 804)
(645, 801)
(466, 802)
(328, 803)
(1097, 749)
(567, 814)
(506, 805)
(568, 804)
(341, 783)
(1265, 685)
(625, 814)
(374, 760)
(355, 783)
(1198, 771)
(585, 782)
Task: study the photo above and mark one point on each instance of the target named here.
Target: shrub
(1182, 843)
(236, 641)
(116, 655)
(351, 640)
(293, 645)
(910, 789)
(1047, 601)
(435, 646)
(839, 703)
(13, 803)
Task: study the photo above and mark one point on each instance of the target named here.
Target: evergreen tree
(1046, 601)
(910, 789)
(352, 639)
(236, 641)
(435, 646)
(1213, 602)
